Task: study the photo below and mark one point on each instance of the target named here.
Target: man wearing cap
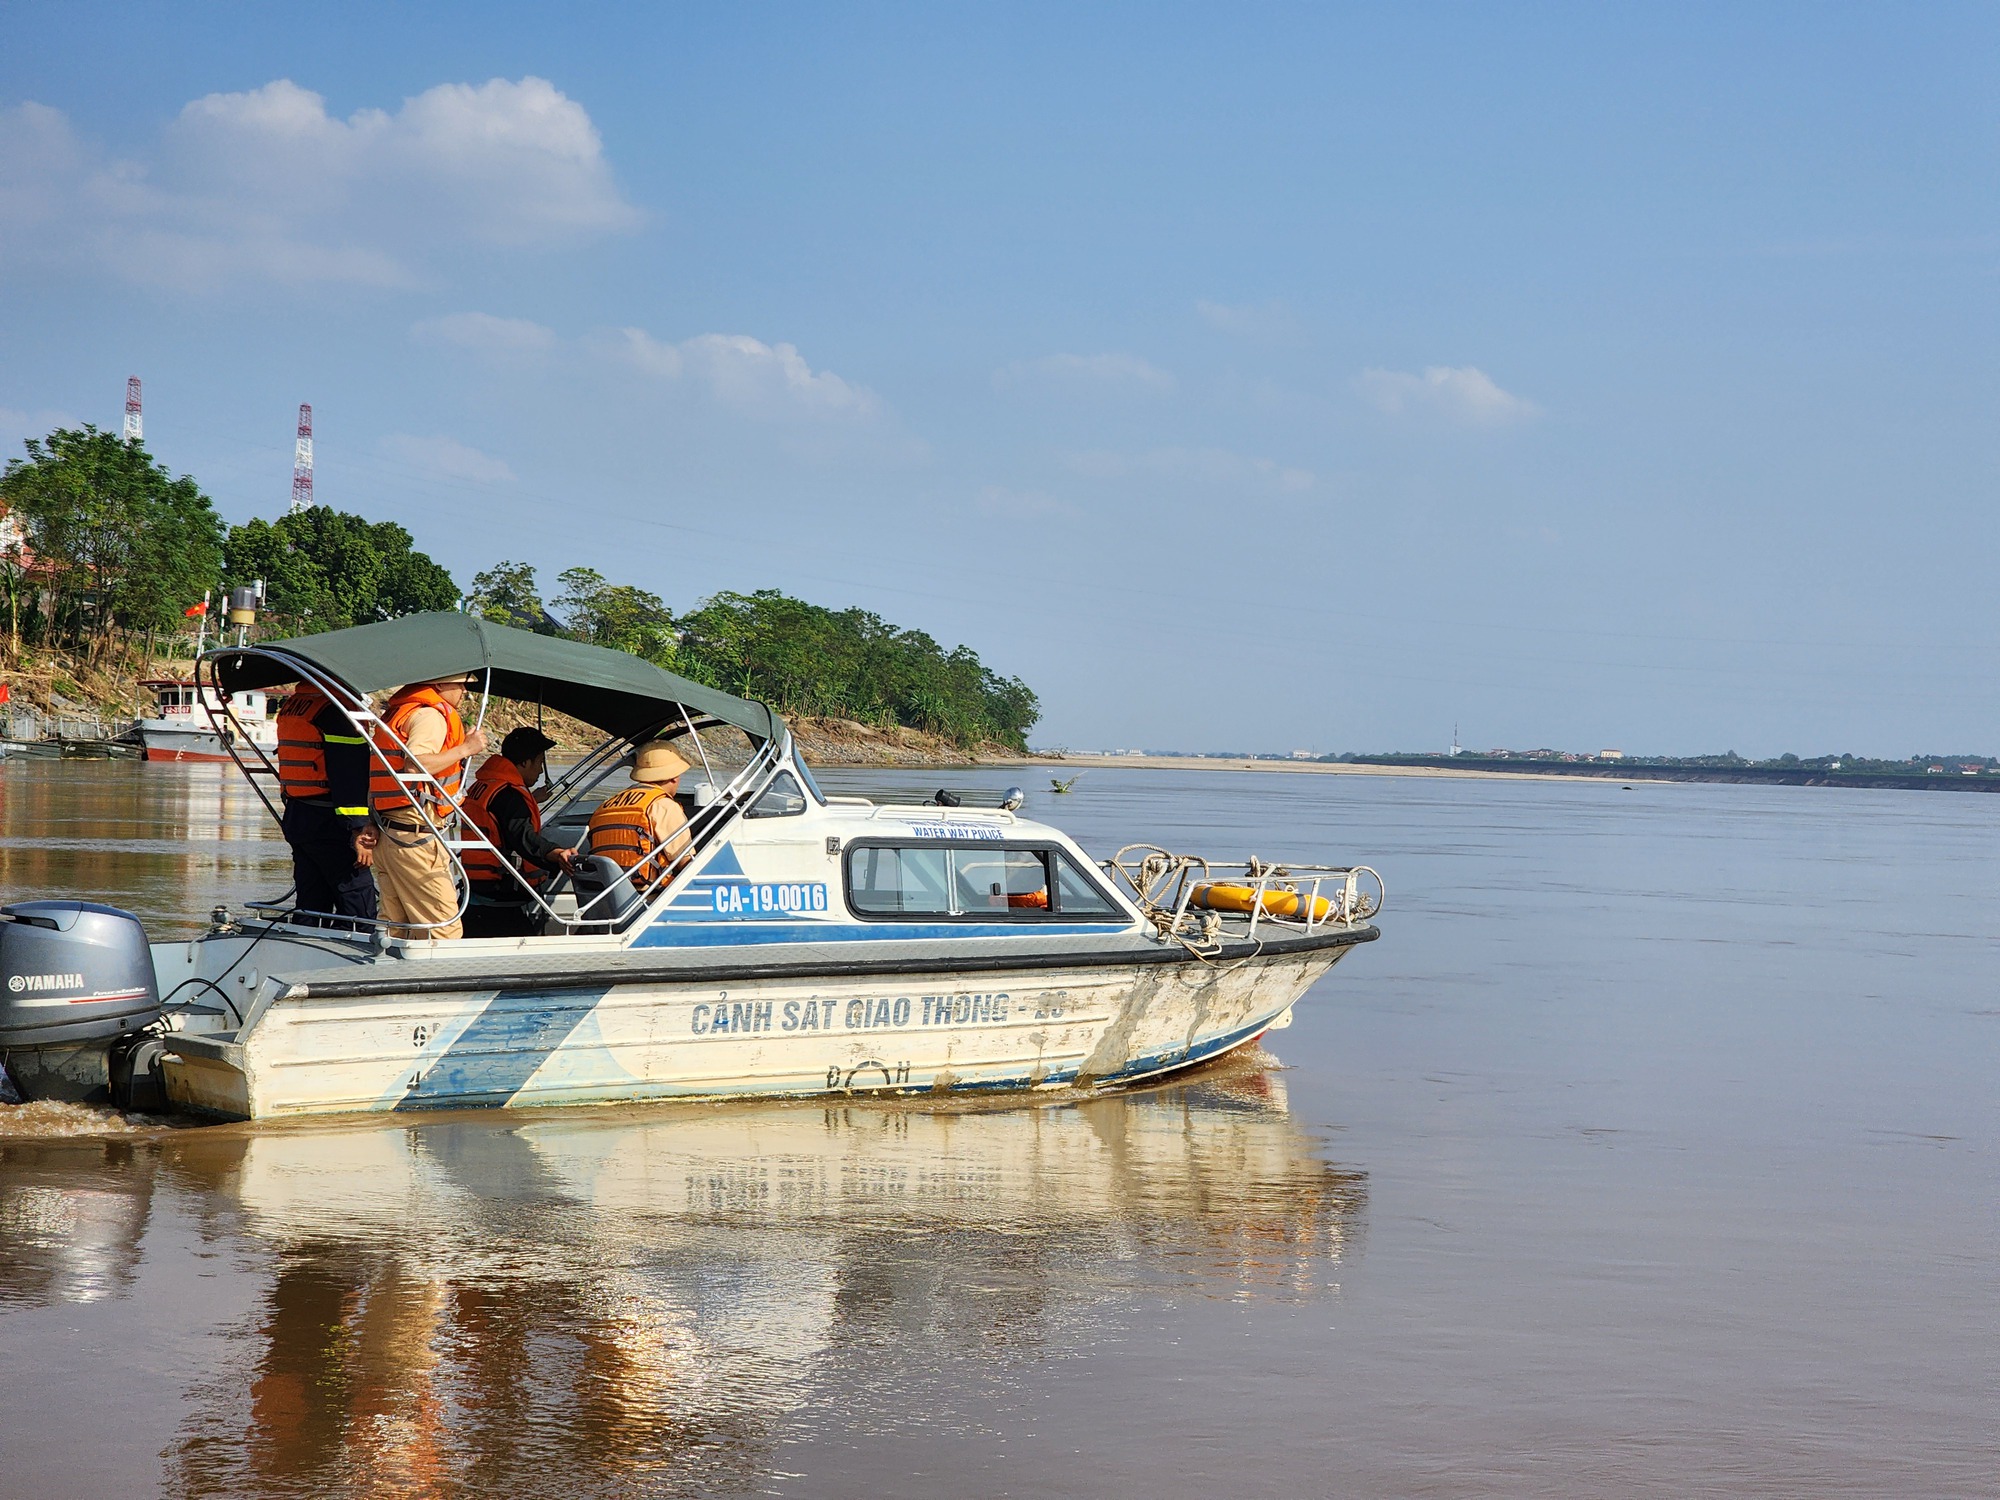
(502, 805)
(412, 869)
(642, 829)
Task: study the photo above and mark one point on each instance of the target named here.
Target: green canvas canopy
(617, 693)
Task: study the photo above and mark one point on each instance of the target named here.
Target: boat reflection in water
(72, 1215)
(666, 1295)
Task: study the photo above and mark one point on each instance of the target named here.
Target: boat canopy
(616, 692)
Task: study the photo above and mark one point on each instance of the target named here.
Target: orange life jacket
(301, 747)
(384, 791)
(622, 830)
(494, 777)
(302, 773)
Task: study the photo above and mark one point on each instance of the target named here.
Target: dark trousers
(325, 877)
(502, 919)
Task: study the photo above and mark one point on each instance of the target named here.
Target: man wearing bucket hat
(642, 829)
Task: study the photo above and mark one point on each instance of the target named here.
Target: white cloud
(483, 333)
(1110, 371)
(1463, 394)
(266, 184)
(1209, 466)
(446, 458)
(748, 373)
(650, 355)
(40, 160)
(1247, 319)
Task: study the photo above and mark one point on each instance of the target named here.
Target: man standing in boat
(323, 775)
(642, 829)
(412, 869)
(503, 806)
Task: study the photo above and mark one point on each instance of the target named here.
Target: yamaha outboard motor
(76, 984)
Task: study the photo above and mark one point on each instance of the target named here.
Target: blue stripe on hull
(506, 1044)
(1183, 1057)
(686, 934)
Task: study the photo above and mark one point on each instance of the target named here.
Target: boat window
(1001, 880)
(781, 799)
(806, 775)
(889, 882)
(1077, 894)
(973, 882)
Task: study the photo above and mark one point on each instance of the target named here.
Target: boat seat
(604, 891)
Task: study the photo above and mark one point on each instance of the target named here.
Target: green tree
(125, 546)
(327, 569)
(14, 572)
(507, 594)
(617, 615)
(852, 664)
(176, 559)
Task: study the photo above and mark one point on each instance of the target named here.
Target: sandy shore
(1309, 767)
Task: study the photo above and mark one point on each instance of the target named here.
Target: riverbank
(845, 742)
(1058, 764)
(60, 688)
(1516, 771)
(1743, 775)
(826, 742)
(63, 698)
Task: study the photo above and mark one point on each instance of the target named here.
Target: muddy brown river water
(1651, 1152)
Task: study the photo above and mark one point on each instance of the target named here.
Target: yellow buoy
(1215, 896)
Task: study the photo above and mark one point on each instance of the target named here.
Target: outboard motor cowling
(75, 979)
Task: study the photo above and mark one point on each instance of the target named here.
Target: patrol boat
(808, 944)
(183, 722)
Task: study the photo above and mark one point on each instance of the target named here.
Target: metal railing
(30, 724)
(1171, 887)
(740, 792)
(443, 816)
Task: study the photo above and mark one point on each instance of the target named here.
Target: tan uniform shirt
(669, 823)
(412, 873)
(427, 732)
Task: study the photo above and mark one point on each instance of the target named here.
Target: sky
(1240, 377)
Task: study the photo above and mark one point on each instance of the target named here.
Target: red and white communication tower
(135, 426)
(302, 463)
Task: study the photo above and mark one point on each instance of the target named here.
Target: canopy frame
(277, 662)
(610, 690)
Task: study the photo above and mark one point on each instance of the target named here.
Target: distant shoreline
(1214, 763)
(1528, 771)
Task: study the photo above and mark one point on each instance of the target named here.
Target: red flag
(196, 609)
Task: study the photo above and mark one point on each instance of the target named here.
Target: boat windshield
(806, 775)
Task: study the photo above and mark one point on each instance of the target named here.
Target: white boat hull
(910, 1032)
(182, 744)
(166, 741)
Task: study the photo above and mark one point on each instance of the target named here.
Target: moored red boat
(189, 721)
